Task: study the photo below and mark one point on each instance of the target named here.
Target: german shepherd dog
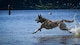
(48, 24)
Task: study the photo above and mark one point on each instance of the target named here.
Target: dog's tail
(69, 21)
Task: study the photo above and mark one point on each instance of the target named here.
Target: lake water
(17, 28)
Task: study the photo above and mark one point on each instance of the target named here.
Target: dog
(48, 24)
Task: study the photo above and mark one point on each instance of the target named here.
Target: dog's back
(49, 24)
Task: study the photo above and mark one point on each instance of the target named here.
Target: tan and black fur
(48, 24)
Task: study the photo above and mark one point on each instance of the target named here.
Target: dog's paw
(70, 32)
(40, 30)
(33, 32)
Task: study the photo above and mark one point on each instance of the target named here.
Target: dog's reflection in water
(57, 39)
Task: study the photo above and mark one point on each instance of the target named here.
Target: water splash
(76, 29)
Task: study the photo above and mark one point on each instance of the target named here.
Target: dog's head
(39, 19)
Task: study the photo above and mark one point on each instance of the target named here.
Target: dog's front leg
(37, 30)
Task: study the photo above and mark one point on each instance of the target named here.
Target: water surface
(17, 28)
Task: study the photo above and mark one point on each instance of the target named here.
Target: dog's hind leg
(62, 26)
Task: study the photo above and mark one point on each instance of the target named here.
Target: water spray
(74, 18)
(76, 29)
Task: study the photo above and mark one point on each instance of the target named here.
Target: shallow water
(59, 40)
(17, 28)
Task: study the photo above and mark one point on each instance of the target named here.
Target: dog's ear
(39, 16)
